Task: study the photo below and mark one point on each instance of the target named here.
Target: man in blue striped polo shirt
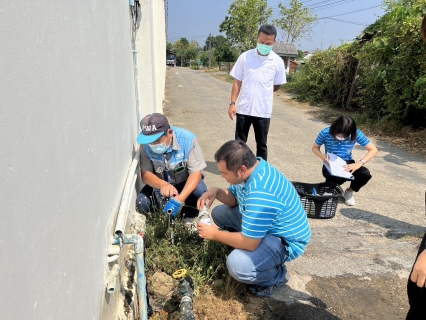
(263, 211)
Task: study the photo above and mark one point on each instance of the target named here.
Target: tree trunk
(354, 81)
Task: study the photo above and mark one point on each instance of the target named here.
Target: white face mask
(340, 138)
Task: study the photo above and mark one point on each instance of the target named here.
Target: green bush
(204, 260)
(390, 85)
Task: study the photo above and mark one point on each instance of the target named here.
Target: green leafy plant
(204, 260)
(382, 74)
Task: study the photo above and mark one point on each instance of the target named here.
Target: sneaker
(265, 291)
(190, 225)
(349, 198)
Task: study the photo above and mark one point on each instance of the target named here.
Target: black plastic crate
(319, 199)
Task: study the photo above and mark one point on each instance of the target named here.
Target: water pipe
(185, 292)
(137, 16)
(125, 200)
(138, 243)
(113, 253)
(112, 278)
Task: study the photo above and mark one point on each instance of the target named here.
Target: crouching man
(171, 164)
(264, 216)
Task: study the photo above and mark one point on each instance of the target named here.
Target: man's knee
(200, 189)
(143, 203)
(240, 266)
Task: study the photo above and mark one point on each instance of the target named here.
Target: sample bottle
(204, 215)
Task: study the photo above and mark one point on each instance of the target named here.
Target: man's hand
(210, 195)
(167, 190)
(419, 270)
(352, 167)
(206, 231)
(232, 111)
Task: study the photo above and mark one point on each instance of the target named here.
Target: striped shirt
(343, 149)
(269, 204)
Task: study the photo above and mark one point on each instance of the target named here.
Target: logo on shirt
(179, 156)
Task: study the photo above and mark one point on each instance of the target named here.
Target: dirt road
(357, 263)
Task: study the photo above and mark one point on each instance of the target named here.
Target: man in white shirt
(258, 73)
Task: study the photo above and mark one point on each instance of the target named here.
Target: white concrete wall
(68, 124)
(152, 55)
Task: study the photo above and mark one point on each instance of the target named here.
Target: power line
(350, 22)
(313, 4)
(341, 14)
(330, 5)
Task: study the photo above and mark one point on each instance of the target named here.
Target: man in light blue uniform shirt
(264, 213)
(171, 163)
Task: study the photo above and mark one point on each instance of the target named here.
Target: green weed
(204, 260)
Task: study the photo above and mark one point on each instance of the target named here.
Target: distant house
(287, 51)
(293, 65)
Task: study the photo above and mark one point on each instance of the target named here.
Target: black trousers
(362, 176)
(261, 129)
(416, 295)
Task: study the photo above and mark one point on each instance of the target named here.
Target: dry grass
(212, 306)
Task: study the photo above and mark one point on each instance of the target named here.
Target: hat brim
(144, 139)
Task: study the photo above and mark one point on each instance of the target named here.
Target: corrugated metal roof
(285, 49)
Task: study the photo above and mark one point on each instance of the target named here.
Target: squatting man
(261, 216)
(171, 164)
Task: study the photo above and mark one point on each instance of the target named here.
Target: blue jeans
(150, 198)
(263, 266)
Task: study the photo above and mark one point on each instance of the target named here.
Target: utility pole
(210, 46)
(323, 32)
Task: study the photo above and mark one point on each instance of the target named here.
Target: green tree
(383, 74)
(245, 18)
(296, 21)
(300, 55)
(185, 51)
(221, 48)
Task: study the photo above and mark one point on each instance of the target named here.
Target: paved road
(357, 263)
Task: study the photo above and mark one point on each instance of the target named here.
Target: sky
(196, 19)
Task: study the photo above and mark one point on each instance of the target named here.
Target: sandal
(264, 291)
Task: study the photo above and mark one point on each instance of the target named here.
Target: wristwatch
(363, 162)
(232, 103)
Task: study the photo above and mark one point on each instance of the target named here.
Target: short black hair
(235, 153)
(268, 30)
(345, 126)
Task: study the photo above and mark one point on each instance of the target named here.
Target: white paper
(336, 166)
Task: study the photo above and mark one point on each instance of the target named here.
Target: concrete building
(68, 127)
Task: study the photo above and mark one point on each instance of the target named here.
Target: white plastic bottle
(204, 215)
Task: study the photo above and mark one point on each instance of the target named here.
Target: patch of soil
(348, 296)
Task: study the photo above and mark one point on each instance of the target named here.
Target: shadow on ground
(396, 228)
(212, 168)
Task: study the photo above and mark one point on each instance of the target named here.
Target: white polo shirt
(258, 74)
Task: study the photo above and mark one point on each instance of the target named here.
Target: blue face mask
(158, 148)
(264, 49)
